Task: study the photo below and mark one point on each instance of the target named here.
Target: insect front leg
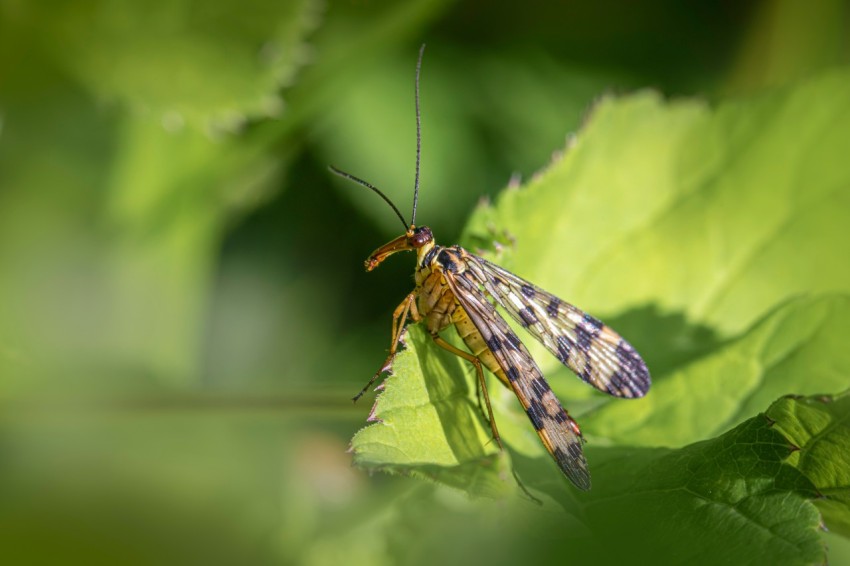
(406, 308)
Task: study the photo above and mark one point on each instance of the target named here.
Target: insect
(457, 288)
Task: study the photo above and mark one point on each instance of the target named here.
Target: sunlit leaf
(799, 348)
(431, 427)
(717, 213)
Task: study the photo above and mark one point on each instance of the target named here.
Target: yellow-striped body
(455, 287)
(439, 306)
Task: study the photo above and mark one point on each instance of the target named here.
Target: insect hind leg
(482, 388)
(482, 385)
(480, 400)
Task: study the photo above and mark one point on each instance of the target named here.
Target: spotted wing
(559, 433)
(595, 352)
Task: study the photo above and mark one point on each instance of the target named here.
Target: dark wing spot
(573, 464)
(537, 414)
(512, 373)
(573, 453)
(500, 281)
(527, 315)
(539, 387)
(560, 455)
(562, 417)
(574, 449)
(528, 291)
(594, 323)
(494, 344)
(634, 369)
(617, 380)
(513, 339)
(583, 338)
(563, 349)
(553, 306)
(613, 387)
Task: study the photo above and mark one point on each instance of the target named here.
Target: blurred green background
(183, 310)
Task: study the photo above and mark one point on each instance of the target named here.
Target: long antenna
(418, 137)
(359, 181)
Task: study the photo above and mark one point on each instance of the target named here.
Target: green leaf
(729, 500)
(820, 427)
(798, 349)
(734, 499)
(716, 214)
(431, 427)
(211, 65)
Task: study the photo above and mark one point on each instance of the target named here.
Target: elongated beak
(400, 244)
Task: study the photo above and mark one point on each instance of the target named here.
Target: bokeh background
(183, 310)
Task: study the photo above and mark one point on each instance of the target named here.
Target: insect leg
(406, 308)
(481, 383)
(482, 388)
(479, 399)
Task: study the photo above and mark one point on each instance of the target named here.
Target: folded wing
(559, 433)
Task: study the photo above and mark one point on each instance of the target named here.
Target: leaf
(734, 499)
(216, 65)
(431, 427)
(820, 427)
(798, 349)
(718, 213)
(729, 500)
